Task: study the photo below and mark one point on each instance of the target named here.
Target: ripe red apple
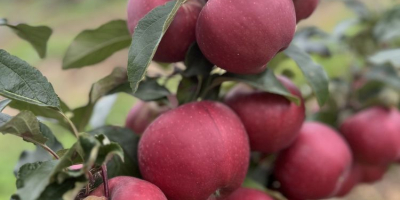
(181, 33)
(142, 114)
(241, 36)
(195, 150)
(351, 180)
(315, 165)
(304, 8)
(372, 173)
(248, 194)
(125, 187)
(271, 121)
(373, 135)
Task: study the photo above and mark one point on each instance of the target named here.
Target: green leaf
(4, 103)
(265, 81)
(385, 74)
(4, 118)
(19, 81)
(40, 154)
(313, 72)
(26, 126)
(146, 39)
(196, 63)
(386, 56)
(359, 8)
(37, 36)
(188, 90)
(93, 46)
(148, 90)
(129, 142)
(32, 179)
(388, 27)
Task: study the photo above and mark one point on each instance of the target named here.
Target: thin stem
(45, 147)
(105, 180)
(71, 124)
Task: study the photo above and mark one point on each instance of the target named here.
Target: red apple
(248, 194)
(351, 180)
(372, 173)
(142, 114)
(315, 165)
(195, 150)
(241, 36)
(271, 120)
(304, 8)
(181, 33)
(125, 187)
(373, 135)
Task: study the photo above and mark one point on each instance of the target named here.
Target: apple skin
(248, 194)
(351, 180)
(194, 150)
(315, 165)
(242, 37)
(180, 34)
(304, 8)
(142, 114)
(125, 187)
(372, 173)
(373, 135)
(271, 121)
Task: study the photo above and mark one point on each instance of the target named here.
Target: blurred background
(67, 18)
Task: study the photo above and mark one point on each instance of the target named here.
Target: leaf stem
(44, 146)
(71, 124)
(105, 180)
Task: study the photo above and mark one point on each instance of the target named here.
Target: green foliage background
(68, 18)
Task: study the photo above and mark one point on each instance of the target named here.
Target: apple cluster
(201, 150)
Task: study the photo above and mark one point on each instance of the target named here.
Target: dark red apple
(125, 187)
(181, 33)
(373, 135)
(271, 121)
(248, 194)
(372, 173)
(351, 180)
(142, 114)
(304, 8)
(315, 165)
(241, 36)
(194, 151)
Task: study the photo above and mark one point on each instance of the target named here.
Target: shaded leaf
(385, 74)
(359, 8)
(388, 27)
(37, 36)
(147, 36)
(386, 56)
(148, 90)
(265, 81)
(129, 143)
(313, 72)
(19, 81)
(4, 103)
(188, 90)
(4, 118)
(196, 63)
(93, 46)
(26, 126)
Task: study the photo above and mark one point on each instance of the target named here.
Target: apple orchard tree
(237, 127)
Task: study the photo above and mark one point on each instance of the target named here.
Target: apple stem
(105, 180)
(91, 180)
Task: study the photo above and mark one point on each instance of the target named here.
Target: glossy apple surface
(195, 150)
(248, 194)
(142, 114)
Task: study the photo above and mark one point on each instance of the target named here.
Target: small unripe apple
(142, 114)
(180, 34)
(372, 173)
(304, 8)
(241, 36)
(194, 151)
(125, 187)
(248, 194)
(373, 135)
(351, 180)
(316, 164)
(271, 121)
